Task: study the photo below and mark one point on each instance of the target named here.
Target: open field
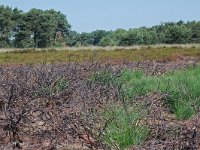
(137, 53)
(137, 99)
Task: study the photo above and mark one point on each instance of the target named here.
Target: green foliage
(97, 36)
(45, 27)
(181, 105)
(36, 28)
(169, 33)
(72, 38)
(6, 25)
(135, 86)
(177, 34)
(181, 88)
(131, 37)
(107, 41)
(195, 28)
(123, 128)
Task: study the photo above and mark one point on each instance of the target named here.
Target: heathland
(142, 97)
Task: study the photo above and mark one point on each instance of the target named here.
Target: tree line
(165, 33)
(46, 28)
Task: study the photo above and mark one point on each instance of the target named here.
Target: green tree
(107, 41)
(40, 28)
(132, 37)
(195, 29)
(6, 25)
(177, 34)
(85, 39)
(72, 39)
(97, 36)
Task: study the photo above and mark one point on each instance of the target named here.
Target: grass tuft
(124, 128)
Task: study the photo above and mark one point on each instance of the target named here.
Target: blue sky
(89, 15)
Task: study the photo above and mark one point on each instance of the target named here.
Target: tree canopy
(35, 28)
(165, 33)
(44, 28)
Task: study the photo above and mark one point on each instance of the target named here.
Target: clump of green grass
(182, 88)
(123, 128)
(135, 83)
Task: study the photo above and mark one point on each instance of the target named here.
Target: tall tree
(6, 25)
(42, 28)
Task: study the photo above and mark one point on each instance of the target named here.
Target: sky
(90, 15)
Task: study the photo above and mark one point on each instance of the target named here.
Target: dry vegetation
(85, 102)
(136, 53)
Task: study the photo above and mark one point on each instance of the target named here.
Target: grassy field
(32, 56)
